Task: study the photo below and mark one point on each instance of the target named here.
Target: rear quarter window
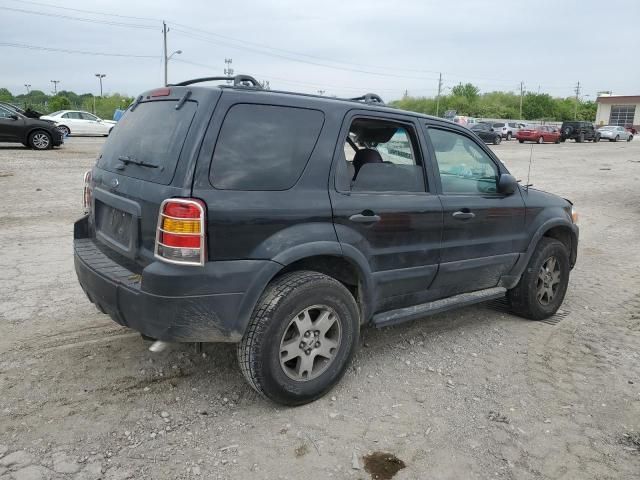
(264, 147)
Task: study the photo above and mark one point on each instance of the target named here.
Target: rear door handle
(359, 218)
(460, 215)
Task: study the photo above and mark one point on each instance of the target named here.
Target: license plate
(114, 224)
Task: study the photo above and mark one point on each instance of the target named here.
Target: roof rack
(238, 81)
(368, 98)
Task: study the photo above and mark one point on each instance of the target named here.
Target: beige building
(622, 110)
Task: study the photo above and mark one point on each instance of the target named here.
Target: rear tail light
(86, 192)
(180, 237)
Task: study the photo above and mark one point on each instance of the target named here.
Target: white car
(77, 122)
(614, 133)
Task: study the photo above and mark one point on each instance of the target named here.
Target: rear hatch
(148, 157)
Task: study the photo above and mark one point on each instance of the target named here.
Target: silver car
(508, 130)
(614, 133)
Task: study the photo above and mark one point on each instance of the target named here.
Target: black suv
(284, 222)
(31, 132)
(579, 131)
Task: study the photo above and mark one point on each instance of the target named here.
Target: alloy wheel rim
(40, 140)
(548, 281)
(310, 343)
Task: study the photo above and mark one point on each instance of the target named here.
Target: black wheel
(508, 136)
(521, 141)
(497, 139)
(617, 138)
(65, 130)
(557, 140)
(543, 284)
(540, 140)
(596, 139)
(40, 140)
(300, 338)
(629, 138)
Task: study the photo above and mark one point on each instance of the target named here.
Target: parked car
(31, 132)
(465, 121)
(631, 128)
(508, 130)
(615, 133)
(74, 122)
(486, 133)
(579, 131)
(227, 214)
(538, 134)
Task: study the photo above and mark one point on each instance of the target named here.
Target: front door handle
(360, 218)
(461, 215)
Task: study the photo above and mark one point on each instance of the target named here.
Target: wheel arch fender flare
(282, 260)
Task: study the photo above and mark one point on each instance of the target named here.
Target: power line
(40, 4)
(81, 19)
(64, 50)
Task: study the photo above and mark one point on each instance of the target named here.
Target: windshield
(153, 133)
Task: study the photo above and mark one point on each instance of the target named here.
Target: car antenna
(529, 172)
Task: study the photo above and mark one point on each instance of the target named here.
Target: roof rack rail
(369, 98)
(238, 81)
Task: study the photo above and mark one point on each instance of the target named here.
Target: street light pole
(166, 62)
(55, 86)
(100, 77)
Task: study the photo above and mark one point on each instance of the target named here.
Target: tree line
(468, 100)
(38, 100)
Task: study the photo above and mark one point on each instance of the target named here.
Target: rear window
(153, 133)
(264, 147)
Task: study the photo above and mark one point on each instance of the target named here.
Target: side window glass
(380, 156)
(66, 115)
(464, 167)
(88, 116)
(4, 113)
(264, 147)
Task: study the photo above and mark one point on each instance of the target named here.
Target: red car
(539, 134)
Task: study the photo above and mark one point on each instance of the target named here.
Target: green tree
(59, 102)
(537, 106)
(468, 91)
(5, 95)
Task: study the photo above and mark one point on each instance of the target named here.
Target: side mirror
(13, 116)
(507, 184)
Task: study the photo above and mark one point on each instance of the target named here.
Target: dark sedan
(31, 132)
(486, 133)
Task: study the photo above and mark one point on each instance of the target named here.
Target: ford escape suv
(284, 222)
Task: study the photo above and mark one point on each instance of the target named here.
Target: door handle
(461, 215)
(360, 218)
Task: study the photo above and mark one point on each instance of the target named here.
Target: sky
(343, 48)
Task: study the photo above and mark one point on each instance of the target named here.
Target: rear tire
(508, 136)
(497, 139)
(281, 327)
(617, 138)
(65, 130)
(40, 140)
(630, 138)
(543, 285)
(596, 139)
(521, 141)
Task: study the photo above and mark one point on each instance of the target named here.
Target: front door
(11, 126)
(483, 229)
(384, 209)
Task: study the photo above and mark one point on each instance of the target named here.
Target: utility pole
(28, 87)
(320, 92)
(577, 90)
(438, 97)
(166, 58)
(228, 71)
(521, 95)
(55, 86)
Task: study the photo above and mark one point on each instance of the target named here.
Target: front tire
(521, 141)
(540, 140)
(617, 138)
(497, 139)
(65, 130)
(40, 140)
(543, 285)
(300, 338)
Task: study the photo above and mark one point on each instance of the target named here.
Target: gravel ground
(475, 393)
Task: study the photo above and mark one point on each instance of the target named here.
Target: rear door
(483, 230)
(146, 160)
(384, 208)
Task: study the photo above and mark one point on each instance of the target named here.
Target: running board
(407, 314)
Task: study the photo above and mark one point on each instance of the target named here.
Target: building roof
(618, 99)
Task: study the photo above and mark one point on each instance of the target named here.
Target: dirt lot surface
(471, 394)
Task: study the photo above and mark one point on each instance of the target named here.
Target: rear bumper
(172, 302)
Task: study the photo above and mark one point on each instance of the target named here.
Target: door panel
(398, 232)
(483, 231)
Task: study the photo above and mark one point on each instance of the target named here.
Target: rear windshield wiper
(127, 160)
